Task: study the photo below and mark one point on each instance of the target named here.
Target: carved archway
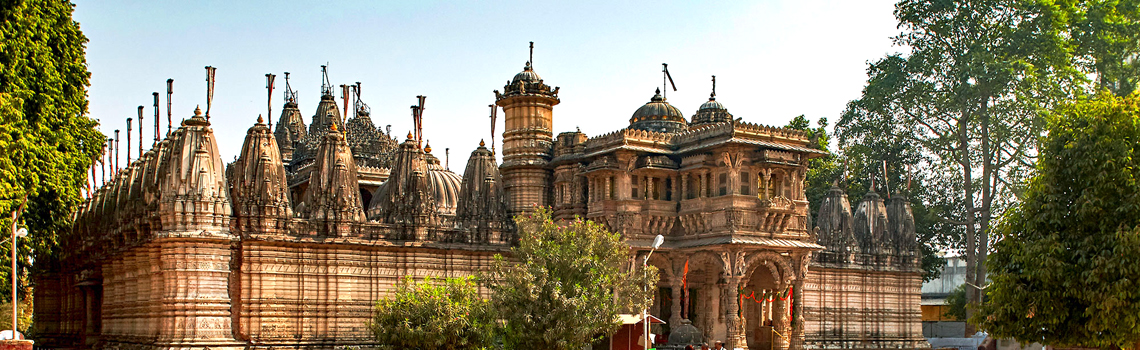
(772, 272)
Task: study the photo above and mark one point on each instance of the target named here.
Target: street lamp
(657, 241)
(21, 233)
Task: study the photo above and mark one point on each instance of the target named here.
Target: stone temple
(291, 244)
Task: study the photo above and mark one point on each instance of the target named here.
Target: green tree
(47, 141)
(966, 99)
(1106, 40)
(565, 284)
(1066, 271)
(434, 314)
(957, 303)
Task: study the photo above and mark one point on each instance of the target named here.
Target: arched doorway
(762, 309)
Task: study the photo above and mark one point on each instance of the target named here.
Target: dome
(444, 186)
(527, 75)
(711, 112)
(711, 104)
(658, 116)
(686, 334)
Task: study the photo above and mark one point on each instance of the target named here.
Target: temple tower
(528, 105)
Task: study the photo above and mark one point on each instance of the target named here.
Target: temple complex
(291, 244)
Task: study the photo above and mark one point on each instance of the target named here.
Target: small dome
(711, 112)
(658, 116)
(711, 104)
(527, 75)
(686, 334)
(444, 186)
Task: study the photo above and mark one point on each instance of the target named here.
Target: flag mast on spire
(155, 94)
(209, 89)
(169, 119)
(494, 115)
(666, 78)
(269, 78)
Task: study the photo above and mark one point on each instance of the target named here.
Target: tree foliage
(1067, 268)
(963, 107)
(434, 314)
(565, 284)
(47, 141)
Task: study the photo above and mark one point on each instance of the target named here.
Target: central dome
(658, 116)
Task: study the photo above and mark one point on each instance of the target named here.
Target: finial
(169, 113)
(530, 61)
(409, 135)
(427, 147)
(197, 111)
(658, 92)
(259, 120)
(269, 78)
(481, 144)
(332, 126)
(209, 89)
(713, 95)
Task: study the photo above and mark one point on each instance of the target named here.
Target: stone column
(734, 334)
(704, 183)
(797, 325)
(649, 182)
(684, 187)
(609, 188)
(780, 320)
(767, 183)
(675, 318)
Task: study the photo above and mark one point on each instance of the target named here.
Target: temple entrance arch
(765, 302)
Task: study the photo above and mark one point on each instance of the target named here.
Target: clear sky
(773, 59)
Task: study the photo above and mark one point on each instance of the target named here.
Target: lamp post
(657, 241)
(16, 233)
(21, 233)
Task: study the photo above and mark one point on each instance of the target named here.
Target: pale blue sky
(773, 59)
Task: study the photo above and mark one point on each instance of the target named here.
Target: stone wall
(853, 307)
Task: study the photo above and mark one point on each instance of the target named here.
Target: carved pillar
(797, 325)
(609, 190)
(704, 183)
(734, 334)
(675, 318)
(684, 187)
(734, 268)
(677, 188)
(780, 319)
(650, 182)
(767, 183)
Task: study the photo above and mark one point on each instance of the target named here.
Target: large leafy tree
(46, 139)
(966, 100)
(1067, 268)
(434, 314)
(565, 284)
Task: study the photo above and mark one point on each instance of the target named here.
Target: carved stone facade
(291, 245)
